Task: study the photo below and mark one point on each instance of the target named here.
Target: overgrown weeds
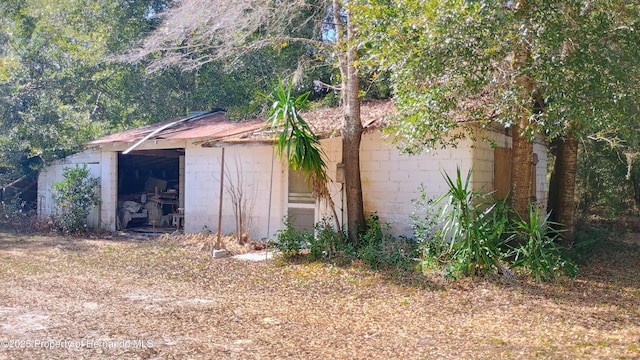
(377, 248)
(462, 233)
(474, 234)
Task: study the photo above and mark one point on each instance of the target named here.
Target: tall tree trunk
(562, 188)
(352, 125)
(522, 145)
(521, 163)
(351, 136)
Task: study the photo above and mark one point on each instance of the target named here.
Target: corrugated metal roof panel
(209, 126)
(325, 122)
(214, 127)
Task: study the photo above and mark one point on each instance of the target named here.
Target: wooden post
(218, 240)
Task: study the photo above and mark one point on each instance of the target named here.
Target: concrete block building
(173, 170)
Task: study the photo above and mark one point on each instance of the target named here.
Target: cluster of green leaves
(62, 83)
(295, 141)
(470, 233)
(289, 240)
(376, 248)
(458, 58)
(608, 180)
(473, 227)
(55, 87)
(74, 198)
(13, 213)
(379, 249)
(536, 248)
(326, 243)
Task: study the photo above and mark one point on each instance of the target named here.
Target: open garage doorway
(151, 189)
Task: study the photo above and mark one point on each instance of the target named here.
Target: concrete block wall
(109, 190)
(54, 173)
(202, 188)
(333, 150)
(542, 187)
(483, 178)
(391, 179)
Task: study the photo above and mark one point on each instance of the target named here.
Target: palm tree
(298, 144)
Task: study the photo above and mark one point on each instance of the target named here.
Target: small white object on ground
(217, 254)
(254, 256)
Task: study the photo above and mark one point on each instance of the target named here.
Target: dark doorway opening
(149, 184)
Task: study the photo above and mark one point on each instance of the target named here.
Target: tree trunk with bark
(351, 137)
(562, 188)
(522, 145)
(521, 162)
(352, 125)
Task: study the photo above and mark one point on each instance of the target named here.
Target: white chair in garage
(178, 218)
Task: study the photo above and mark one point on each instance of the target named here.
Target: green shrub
(290, 240)
(590, 240)
(377, 248)
(538, 252)
(13, 213)
(474, 228)
(425, 222)
(469, 233)
(74, 198)
(327, 242)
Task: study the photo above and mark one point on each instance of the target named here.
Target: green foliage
(608, 180)
(12, 213)
(296, 141)
(425, 221)
(590, 241)
(539, 253)
(57, 90)
(469, 233)
(60, 85)
(327, 241)
(74, 198)
(473, 227)
(378, 249)
(452, 59)
(290, 240)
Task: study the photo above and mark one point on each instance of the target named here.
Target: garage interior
(149, 189)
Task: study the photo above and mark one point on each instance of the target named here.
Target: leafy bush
(425, 222)
(590, 240)
(74, 198)
(290, 240)
(377, 248)
(538, 252)
(13, 213)
(327, 242)
(607, 181)
(470, 233)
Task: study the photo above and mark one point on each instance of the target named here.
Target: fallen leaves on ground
(95, 298)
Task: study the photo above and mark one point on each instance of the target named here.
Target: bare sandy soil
(115, 298)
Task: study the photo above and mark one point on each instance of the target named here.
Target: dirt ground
(165, 298)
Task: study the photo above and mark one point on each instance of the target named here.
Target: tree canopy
(459, 57)
(563, 69)
(60, 85)
(56, 91)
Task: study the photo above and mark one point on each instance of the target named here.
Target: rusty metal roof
(208, 126)
(325, 122)
(213, 128)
